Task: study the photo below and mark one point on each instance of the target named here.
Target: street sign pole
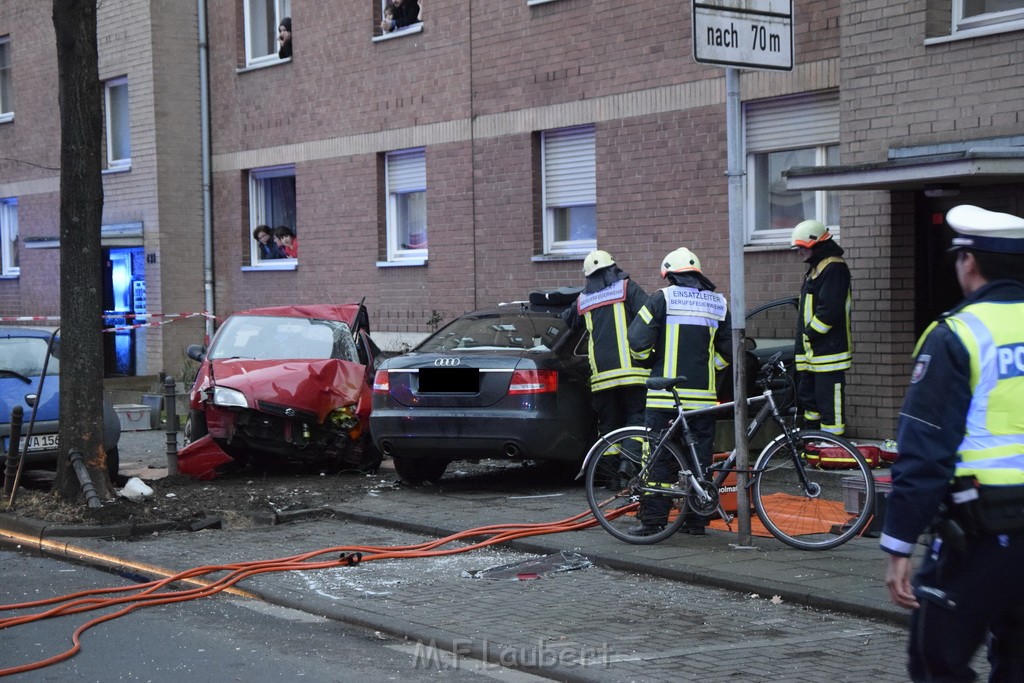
(752, 34)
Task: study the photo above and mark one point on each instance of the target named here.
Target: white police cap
(984, 230)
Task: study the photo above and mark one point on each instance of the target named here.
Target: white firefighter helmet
(596, 260)
(680, 261)
(808, 233)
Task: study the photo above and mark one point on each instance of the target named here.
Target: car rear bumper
(485, 433)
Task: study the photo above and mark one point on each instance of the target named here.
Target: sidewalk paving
(847, 580)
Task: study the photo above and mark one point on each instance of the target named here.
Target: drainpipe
(204, 125)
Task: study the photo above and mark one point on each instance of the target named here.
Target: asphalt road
(219, 639)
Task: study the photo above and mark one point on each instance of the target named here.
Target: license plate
(39, 442)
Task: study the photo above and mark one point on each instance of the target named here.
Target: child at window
(286, 241)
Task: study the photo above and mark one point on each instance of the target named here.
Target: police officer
(823, 345)
(960, 468)
(684, 330)
(609, 302)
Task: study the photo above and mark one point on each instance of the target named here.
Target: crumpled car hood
(317, 386)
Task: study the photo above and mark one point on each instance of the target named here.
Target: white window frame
(964, 23)
(282, 9)
(798, 123)
(257, 215)
(405, 172)
(114, 162)
(8, 237)
(568, 180)
(6, 81)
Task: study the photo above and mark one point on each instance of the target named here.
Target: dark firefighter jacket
(824, 342)
(607, 312)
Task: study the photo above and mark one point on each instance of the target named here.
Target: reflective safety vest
(607, 317)
(689, 321)
(992, 449)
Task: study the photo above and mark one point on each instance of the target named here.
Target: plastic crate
(134, 417)
(853, 491)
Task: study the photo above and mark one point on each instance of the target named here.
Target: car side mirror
(196, 352)
(749, 343)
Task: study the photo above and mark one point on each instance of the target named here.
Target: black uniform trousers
(619, 407)
(654, 509)
(984, 598)
(821, 395)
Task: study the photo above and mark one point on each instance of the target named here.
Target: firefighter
(823, 345)
(609, 302)
(684, 330)
(960, 469)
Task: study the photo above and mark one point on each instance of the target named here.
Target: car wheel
(563, 471)
(419, 470)
(195, 426)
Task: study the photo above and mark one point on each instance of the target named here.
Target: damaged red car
(287, 384)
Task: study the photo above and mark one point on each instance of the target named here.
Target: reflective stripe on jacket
(992, 449)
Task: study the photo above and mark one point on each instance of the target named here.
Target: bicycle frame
(769, 408)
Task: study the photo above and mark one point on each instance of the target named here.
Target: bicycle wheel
(834, 507)
(616, 510)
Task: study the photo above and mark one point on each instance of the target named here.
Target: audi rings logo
(447, 362)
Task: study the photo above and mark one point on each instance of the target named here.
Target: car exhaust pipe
(511, 450)
(387, 448)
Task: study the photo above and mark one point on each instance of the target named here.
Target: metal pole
(171, 409)
(737, 289)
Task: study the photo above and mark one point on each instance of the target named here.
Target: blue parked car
(22, 357)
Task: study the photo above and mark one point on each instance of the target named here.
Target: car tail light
(533, 382)
(381, 385)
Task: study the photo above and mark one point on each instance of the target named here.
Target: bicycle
(802, 506)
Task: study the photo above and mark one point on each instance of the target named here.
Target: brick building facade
(420, 168)
(152, 212)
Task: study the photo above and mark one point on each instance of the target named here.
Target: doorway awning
(918, 169)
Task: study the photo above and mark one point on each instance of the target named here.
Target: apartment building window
(977, 13)
(406, 208)
(570, 190)
(9, 237)
(399, 17)
(6, 84)
(781, 134)
(262, 18)
(118, 128)
(272, 203)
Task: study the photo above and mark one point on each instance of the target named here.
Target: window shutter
(792, 122)
(570, 176)
(407, 171)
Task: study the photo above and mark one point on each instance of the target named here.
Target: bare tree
(81, 274)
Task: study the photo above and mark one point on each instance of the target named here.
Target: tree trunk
(81, 271)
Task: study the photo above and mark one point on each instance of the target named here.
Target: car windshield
(25, 356)
(263, 337)
(494, 331)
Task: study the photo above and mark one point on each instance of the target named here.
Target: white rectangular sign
(752, 34)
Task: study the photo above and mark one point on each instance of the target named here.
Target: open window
(569, 190)
(272, 206)
(262, 19)
(399, 17)
(781, 134)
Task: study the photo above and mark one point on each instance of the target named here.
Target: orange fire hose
(152, 593)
